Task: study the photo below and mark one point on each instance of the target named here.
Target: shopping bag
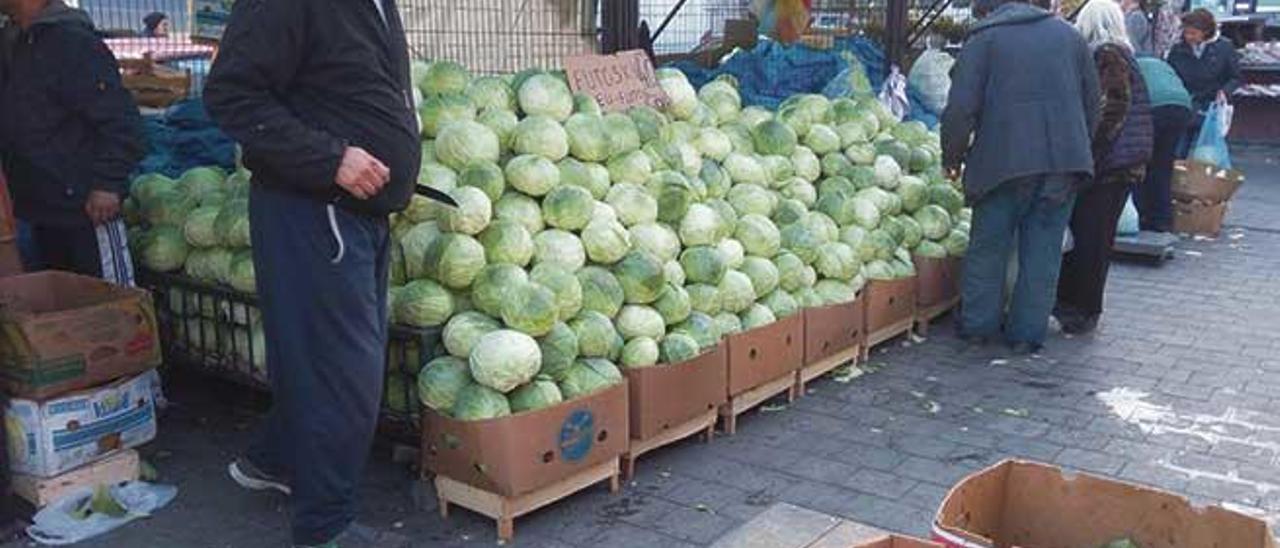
(1211, 146)
(893, 95)
(931, 75)
(1128, 224)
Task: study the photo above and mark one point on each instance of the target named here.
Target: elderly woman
(1207, 64)
(1121, 148)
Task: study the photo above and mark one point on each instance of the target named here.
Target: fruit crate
(218, 331)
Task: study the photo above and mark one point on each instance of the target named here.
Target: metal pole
(895, 27)
(621, 22)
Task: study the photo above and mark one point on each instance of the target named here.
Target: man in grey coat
(1022, 107)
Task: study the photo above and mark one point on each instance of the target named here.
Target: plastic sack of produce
(931, 77)
(1128, 224)
(1211, 146)
(894, 94)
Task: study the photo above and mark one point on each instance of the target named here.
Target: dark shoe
(251, 477)
(1025, 348)
(360, 536)
(1079, 325)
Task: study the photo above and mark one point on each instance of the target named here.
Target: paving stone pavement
(1180, 389)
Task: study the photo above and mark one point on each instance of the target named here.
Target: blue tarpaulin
(183, 137)
(771, 72)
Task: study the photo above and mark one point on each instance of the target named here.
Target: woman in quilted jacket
(1121, 148)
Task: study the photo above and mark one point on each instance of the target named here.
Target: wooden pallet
(886, 333)
(506, 509)
(826, 365)
(750, 399)
(40, 492)
(704, 424)
(927, 314)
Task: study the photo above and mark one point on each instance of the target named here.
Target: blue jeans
(1037, 210)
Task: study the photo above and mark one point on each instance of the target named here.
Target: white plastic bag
(1011, 270)
(894, 94)
(931, 76)
(1128, 224)
(56, 526)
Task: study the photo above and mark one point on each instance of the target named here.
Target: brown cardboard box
(937, 280)
(1029, 505)
(8, 222)
(831, 329)
(667, 396)
(765, 354)
(522, 453)
(1197, 182)
(895, 541)
(891, 306)
(65, 332)
(117, 468)
(10, 259)
(1199, 217)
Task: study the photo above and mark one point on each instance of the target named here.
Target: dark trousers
(1036, 210)
(1152, 196)
(71, 249)
(1093, 227)
(322, 283)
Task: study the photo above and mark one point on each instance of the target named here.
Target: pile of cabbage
(589, 242)
(198, 225)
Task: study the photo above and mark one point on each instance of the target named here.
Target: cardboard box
(765, 354)
(8, 222)
(1030, 505)
(937, 280)
(40, 492)
(10, 259)
(831, 329)
(666, 396)
(1196, 182)
(65, 332)
(891, 306)
(1199, 217)
(521, 453)
(897, 541)
(50, 437)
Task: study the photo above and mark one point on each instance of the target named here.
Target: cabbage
(471, 216)
(674, 194)
(834, 292)
(791, 271)
(865, 213)
(559, 248)
(649, 122)
(913, 191)
(623, 135)
(700, 327)
(520, 209)
(673, 304)
(423, 303)
(454, 260)
(203, 183)
(774, 137)
(165, 249)
(641, 276)
(946, 196)
(503, 125)
(806, 164)
(545, 95)
(538, 394)
(744, 169)
(957, 243)
(822, 139)
(736, 292)
(837, 260)
(532, 175)
(728, 324)
(199, 229)
(594, 178)
(171, 207)
(879, 270)
(836, 186)
(541, 136)
(595, 334)
(442, 77)
(495, 285)
(531, 309)
(887, 172)
(588, 137)
(490, 92)
(929, 249)
(414, 245)
(778, 169)
(601, 291)
(935, 222)
(700, 226)
(683, 98)
(713, 143)
(781, 303)
(484, 175)
(464, 330)
(748, 199)
(507, 242)
(442, 110)
(809, 298)
(703, 264)
(802, 191)
(559, 350)
(852, 133)
(563, 284)
(588, 376)
(861, 154)
(633, 204)
(656, 239)
(241, 275)
(586, 104)
(732, 252)
(762, 273)
(606, 242)
(912, 233)
(478, 402)
(630, 167)
(758, 235)
(209, 264)
(723, 100)
(568, 207)
(714, 180)
(640, 321)
(640, 352)
(677, 348)
(147, 188)
(673, 273)
(440, 381)
(757, 315)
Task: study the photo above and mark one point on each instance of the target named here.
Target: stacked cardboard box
(77, 362)
(10, 261)
(1201, 196)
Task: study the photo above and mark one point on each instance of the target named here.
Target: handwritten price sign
(618, 82)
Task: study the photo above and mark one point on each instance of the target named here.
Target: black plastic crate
(218, 331)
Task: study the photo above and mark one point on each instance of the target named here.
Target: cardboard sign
(211, 19)
(618, 82)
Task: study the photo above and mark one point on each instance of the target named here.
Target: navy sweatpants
(322, 282)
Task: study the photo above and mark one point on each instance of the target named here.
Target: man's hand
(102, 206)
(360, 174)
(953, 173)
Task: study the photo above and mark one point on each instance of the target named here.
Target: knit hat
(153, 19)
(1202, 20)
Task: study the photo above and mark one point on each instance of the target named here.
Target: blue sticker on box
(577, 434)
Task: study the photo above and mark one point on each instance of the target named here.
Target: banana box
(46, 438)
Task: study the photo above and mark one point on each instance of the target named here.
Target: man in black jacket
(318, 94)
(70, 135)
